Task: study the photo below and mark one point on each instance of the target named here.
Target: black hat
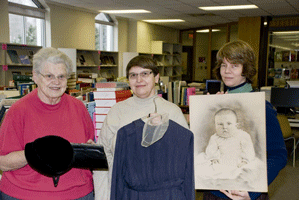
(51, 156)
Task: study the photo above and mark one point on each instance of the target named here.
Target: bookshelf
(15, 59)
(284, 67)
(103, 63)
(168, 57)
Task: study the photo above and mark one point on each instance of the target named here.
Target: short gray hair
(52, 55)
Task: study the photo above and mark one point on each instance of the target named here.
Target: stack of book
(71, 82)
(106, 95)
(87, 77)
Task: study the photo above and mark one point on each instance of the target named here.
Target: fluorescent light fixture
(163, 20)
(207, 30)
(237, 7)
(280, 47)
(291, 39)
(285, 32)
(124, 11)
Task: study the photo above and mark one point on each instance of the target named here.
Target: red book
(190, 91)
(111, 84)
(112, 94)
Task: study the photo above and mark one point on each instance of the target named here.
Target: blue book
(25, 59)
(13, 56)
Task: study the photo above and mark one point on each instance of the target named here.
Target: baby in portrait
(229, 158)
(229, 146)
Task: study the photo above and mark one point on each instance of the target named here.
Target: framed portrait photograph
(229, 141)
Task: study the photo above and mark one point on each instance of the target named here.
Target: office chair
(287, 133)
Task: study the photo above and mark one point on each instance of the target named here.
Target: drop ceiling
(188, 10)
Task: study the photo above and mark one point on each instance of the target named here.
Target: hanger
(149, 115)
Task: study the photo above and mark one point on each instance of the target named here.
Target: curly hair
(52, 55)
(237, 52)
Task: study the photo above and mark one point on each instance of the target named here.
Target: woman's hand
(236, 194)
(90, 141)
(222, 92)
(219, 93)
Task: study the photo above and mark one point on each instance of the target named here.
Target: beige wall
(249, 31)
(4, 21)
(136, 36)
(218, 39)
(186, 40)
(202, 50)
(71, 28)
(149, 32)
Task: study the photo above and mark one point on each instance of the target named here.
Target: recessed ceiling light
(124, 11)
(207, 30)
(237, 7)
(164, 20)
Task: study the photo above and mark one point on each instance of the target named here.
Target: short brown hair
(143, 62)
(237, 52)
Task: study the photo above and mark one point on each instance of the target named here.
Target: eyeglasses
(142, 75)
(51, 77)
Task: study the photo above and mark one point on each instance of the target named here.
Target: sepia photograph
(229, 141)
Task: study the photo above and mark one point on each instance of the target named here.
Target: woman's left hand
(90, 141)
(236, 194)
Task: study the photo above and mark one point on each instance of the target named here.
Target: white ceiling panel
(188, 9)
(253, 12)
(294, 3)
(233, 2)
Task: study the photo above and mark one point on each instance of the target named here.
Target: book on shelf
(26, 88)
(99, 117)
(13, 55)
(183, 100)
(190, 91)
(25, 59)
(71, 83)
(3, 110)
(180, 85)
(286, 55)
(112, 94)
(30, 55)
(20, 77)
(169, 92)
(87, 75)
(86, 80)
(111, 84)
(98, 125)
(108, 102)
(112, 89)
(102, 110)
(105, 103)
(107, 60)
(81, 60)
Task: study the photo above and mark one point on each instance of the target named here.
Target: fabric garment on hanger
(162, 171)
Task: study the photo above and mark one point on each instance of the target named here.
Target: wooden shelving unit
(15, 59)
(168, 57)
(103, 63)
